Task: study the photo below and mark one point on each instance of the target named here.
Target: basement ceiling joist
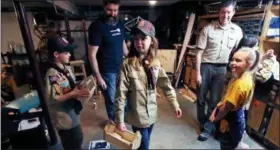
(126, 2)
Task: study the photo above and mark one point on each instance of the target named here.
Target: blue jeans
(237, 125)
(109, 94)
(146, 134)
(213, 80)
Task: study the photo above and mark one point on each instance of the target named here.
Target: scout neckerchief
(150, 75)
(77, 104)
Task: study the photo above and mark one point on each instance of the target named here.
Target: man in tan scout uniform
(61, 94)
(215, 43)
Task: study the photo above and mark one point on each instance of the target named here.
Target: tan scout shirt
(62, 114)
(142, 104)
(217, 42)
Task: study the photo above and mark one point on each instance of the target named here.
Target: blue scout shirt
(110, 39)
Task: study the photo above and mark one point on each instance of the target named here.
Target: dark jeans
(72, 139)
(109, 94)
(237, 124)
(213, 79)
(146, 134)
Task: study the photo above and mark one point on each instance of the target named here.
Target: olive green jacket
(141, 101)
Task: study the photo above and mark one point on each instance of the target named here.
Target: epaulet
(235, 26)
(51, 72)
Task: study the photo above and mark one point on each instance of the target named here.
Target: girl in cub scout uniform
(140, 74)
(229, 112)
(61, 94)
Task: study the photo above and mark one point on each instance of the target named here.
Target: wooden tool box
(90, 84)
(122, 140)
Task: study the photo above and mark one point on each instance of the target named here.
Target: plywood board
(278, 100)
(167, 58)
(190, 77)
(184, 47)
(193, 79)
(272, 133)
(256, 113)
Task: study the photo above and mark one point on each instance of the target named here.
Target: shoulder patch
(53, 79)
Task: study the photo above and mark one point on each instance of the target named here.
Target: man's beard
(111, 20)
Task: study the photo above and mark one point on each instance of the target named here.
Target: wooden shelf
(250, 11)
(276, 39)
(238, 13)
(249, 17)
(79, 74)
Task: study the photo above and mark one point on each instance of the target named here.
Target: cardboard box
(122, 140)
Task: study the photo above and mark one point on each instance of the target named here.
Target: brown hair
(150, 57)
(228, 3)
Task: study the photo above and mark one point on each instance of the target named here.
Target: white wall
(10, 30)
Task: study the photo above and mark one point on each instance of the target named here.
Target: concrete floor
(168, 132)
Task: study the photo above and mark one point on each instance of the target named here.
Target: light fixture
(34, 22)
(125, 17)
(152, 2)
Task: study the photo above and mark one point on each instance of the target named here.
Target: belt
(217, 64)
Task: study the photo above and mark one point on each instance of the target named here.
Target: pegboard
(251, 25)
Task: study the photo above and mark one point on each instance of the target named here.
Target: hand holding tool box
(122, 140)
(90, 84)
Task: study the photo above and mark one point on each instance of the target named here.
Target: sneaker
(204, 136)
(242, 145)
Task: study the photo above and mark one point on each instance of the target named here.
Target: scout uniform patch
(60, 83)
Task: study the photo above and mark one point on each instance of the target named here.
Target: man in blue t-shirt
(106, 50)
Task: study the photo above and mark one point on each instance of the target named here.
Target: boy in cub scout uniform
(61, 93)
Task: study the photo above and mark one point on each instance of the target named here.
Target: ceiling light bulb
(152, 2)
(125, 17)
